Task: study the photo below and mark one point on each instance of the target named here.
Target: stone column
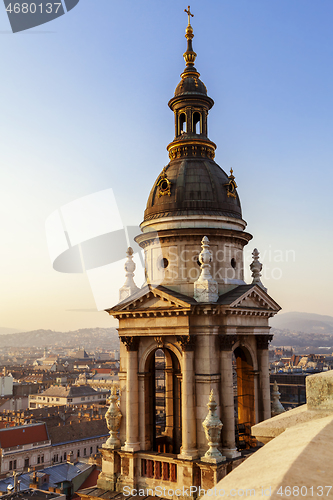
(229, 449)
(132, 395)
(264, 386)
(188, 449)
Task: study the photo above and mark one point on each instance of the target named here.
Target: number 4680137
(32, 8)
(303, 491)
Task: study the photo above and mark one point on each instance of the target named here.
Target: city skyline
(85, 110)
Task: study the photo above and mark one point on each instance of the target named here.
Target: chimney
(70, 458)
(15, 482)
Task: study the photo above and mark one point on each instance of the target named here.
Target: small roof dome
(190, 85)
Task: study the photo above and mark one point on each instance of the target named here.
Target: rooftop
(21, 435)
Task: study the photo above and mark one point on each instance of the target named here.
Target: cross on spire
(188, 12)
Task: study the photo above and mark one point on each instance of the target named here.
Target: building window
(10, 465)
(69, 400)
(42, 459)
(182, 124)
(82, 399)
(91, 450)
(78, 453)
(57, 399)
(14, 465)
(197, 123)
(26, 463)
(38, 459)
(65, 455)
(84, 451)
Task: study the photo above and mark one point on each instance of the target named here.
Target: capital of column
(226, 342)
(131, 343)
(263, 341)
(187, 342)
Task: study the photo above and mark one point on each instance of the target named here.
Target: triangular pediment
(249, 297)
(256, 298)
(151, 298)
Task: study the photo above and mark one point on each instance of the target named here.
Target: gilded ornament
(164, 185)
(231, 185)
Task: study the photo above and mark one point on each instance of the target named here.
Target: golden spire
(189, 55)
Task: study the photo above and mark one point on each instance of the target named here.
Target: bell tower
(193, 324)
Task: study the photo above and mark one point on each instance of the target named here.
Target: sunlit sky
(84, 109)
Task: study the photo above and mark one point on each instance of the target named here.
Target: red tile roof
(21, 435)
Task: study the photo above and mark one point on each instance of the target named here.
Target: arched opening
(182, 123)
(244, 397)
(164, 408)
(197, 123)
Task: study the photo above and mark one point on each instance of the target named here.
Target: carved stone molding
(186, 341)
(226, 342)
(159, 342)
(263, 340)
(131, 343)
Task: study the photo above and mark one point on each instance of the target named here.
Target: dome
(190, 85)
(192, 186)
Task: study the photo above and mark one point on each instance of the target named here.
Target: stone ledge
(319, 396)
(269, 429)
(319, 391)
(295, 458)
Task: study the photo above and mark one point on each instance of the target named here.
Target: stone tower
(194, 322)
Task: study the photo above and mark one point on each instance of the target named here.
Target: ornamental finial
(277, 407)
(189, 55)
(205, 288)
(113, 419)
(256, 268)
(212, 426)
(129, 286)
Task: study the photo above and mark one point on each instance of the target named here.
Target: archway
(244, 398)
(164, 401)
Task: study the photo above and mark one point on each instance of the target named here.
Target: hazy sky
(84, 109)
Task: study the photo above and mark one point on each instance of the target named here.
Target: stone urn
(113, 419)
(212, 426)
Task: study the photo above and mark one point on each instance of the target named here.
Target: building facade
(67, 396)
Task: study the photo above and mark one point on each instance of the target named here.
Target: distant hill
(6, 331)
(90, 338)
(303, 322)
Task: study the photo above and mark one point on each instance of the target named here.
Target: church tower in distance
(195, 330)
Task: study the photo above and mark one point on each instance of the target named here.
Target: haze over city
(84, 107)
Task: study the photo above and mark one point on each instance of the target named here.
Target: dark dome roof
(197, 188)
(190, 85)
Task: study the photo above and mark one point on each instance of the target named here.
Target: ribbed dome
(190, 85)
(197, 187)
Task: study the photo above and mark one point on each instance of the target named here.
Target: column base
(132, 447)
(188, 454)
(231, 452)
(213, 460)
